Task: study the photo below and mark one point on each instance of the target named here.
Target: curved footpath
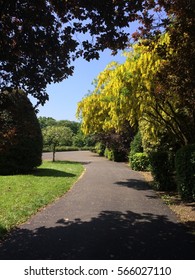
(110, 213)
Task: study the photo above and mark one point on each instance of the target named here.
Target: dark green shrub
(100, 148)
(79, 140)
(120, 155)
(161, 169)
(140, 162)
(185, 172)
(20, 134)
(136, 145)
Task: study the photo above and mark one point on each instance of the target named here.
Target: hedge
(162, 170)
(185, 172)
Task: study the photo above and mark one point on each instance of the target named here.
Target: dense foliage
(40, 39)
(54, 136)
(185, 172)
(64, 135)
(140, 162)
(154, 91)
(161, 168)
(20, 134)
(131, 92)
(136, 145)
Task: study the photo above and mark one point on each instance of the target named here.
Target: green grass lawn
(22, 195)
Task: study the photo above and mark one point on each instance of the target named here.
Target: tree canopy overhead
(39, 39)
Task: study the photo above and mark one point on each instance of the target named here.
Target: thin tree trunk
(54, 151)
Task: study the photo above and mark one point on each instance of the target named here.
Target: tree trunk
(54, 151)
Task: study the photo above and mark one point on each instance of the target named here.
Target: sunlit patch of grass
(22, 195)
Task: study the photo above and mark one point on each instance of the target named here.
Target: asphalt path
(110, 213)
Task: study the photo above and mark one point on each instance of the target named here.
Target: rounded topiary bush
(20, 134)
(185, 172)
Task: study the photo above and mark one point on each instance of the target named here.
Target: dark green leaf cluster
(40, 39)
(162, 170)
(185, 172)
(136, 144)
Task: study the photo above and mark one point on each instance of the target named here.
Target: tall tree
(177, 76)
(135, 93)
(39, 39)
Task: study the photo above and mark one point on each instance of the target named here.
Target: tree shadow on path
(110, 235)
(133, 183)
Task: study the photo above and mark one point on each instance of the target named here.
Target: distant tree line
(63, 135)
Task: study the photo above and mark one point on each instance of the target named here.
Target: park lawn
(23, 195)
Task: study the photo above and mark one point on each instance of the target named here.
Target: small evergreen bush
(140, 162)
(136, 145)
(185, 172)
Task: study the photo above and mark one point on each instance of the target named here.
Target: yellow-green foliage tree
(133, 92)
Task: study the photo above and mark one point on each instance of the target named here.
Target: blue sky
(64, 96)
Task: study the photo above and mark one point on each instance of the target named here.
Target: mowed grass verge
(23, 195)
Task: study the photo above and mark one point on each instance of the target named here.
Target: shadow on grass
(47, 172)
(109, 235)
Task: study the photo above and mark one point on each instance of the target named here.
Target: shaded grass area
(22, 195)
